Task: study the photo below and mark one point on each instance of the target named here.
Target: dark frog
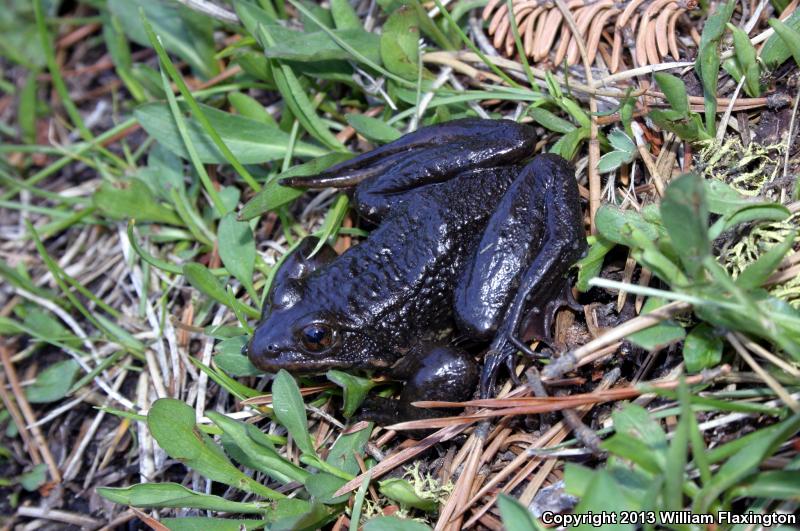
(468, 235)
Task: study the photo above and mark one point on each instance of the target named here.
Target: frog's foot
(432, 372)
(500, 353)
(538, 323)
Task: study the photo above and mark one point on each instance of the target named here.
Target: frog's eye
(316, 337)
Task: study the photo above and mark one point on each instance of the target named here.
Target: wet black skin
(467, 232)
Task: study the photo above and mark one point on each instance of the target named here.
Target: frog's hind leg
(430, 155)
(533, 238)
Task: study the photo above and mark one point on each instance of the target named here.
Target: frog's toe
(538, 324)
(499, 353)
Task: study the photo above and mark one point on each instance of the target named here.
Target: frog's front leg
(387, 175)
(431, 372)
(532, 239)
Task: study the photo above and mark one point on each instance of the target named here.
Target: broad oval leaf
(251, 141)
(176, 496)
(373, 129)
(172, 424)
(133, 200)
(400, 43)
(183, 32)
(237, 249)
(291, 410)
(702, 348)
(684, 213)
(53, 383)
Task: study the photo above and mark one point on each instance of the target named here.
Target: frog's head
(299, 333)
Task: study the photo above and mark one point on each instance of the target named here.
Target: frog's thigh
(531, 240)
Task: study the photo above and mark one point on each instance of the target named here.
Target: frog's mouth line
(302, 363)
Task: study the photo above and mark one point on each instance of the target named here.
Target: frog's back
(400, 280)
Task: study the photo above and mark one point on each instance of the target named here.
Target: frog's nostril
(272, 347)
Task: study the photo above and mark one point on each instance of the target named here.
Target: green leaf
(333, 221)
(230, 359)
(34, 478)
(702, 349)
(689, 128)
(322, 486)
(752, 212)
(402, 492)
(248, 445)
(358, 502)
(677, 456)
(622, 142)
(53, 383)
(250, 107)
(775, 51)
(183, 32)
(707, 63)
(200, 523)
(400, 43)
(291, 411)
(790, 37)
(660, 335)
(638, 438)
(300, 515)
(176, 496)
(773, 485)
(685, 215)
(237, 249)
(344, 16)
(597, 499)
(373, 129)
(273, 195)
(634, 450)
(392, 523)
(746, 57)
(204, 280)
(611, 223)
(251, 141)
(675, 90)
(724, 199)
(759, 271)
(514, 514)
(295, 96)
(612, 160)
(567, 145)
(320, 46)
(354, 388)
(550, 121)
(132, 200)
(343, 453)
(745, 462)
(172, 424)
(26, 114)
(590, 265)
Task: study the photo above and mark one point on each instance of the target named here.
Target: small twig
(641, 146)
(727, 116)
(595, 186)
(65, 517)
(791, 134)
(565, 363)
(30, 416)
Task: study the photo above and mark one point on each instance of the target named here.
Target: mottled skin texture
(466, 233)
